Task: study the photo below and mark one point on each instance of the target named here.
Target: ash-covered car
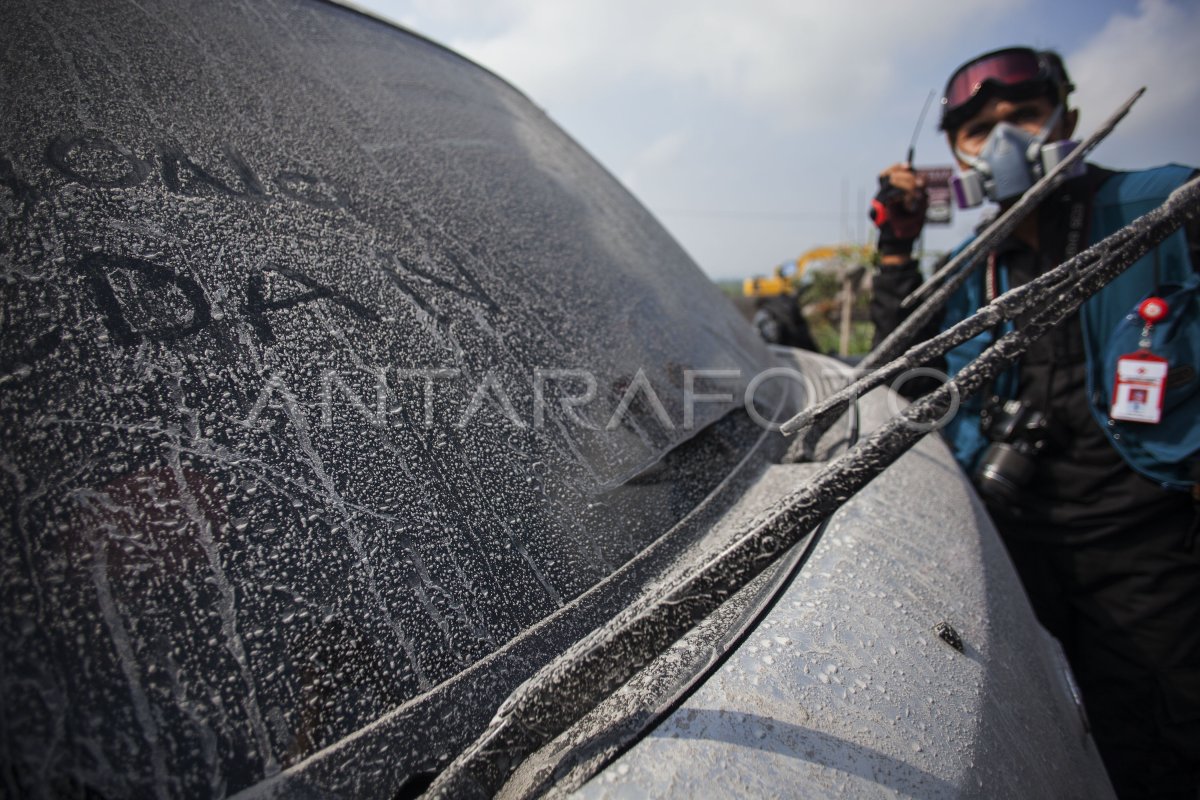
(342, 394)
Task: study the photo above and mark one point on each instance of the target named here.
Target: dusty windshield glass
(327, 364)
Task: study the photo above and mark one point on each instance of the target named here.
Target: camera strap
(1062, 242)
(1078, 218)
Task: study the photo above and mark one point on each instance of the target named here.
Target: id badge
(1138, 394)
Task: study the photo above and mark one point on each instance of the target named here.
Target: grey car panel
(848, 688)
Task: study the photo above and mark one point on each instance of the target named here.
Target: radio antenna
(912, 146)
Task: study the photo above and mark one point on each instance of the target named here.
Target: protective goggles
(1012, 71)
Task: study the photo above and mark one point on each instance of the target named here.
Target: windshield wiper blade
(1005, 308)
(942, 284)
(571, 685)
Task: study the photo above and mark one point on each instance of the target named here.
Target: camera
(1018, 434)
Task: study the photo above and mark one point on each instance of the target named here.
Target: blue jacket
(1111, 328)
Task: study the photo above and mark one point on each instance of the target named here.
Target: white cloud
(661, 152)
(755, 130)
(802, 62)
(1159, 48)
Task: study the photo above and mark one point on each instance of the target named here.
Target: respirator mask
(1012, 160)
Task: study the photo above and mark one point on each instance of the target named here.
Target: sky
(755, 131)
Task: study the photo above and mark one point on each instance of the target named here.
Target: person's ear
(1069, 121)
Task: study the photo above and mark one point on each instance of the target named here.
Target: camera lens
(1002, 473)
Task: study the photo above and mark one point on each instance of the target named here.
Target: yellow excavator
(772, 303)
(781, 282)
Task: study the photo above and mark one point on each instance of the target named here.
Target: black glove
(899, 226)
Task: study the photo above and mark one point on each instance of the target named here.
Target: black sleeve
(891, 285)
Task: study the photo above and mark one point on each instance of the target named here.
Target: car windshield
(335, 380)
